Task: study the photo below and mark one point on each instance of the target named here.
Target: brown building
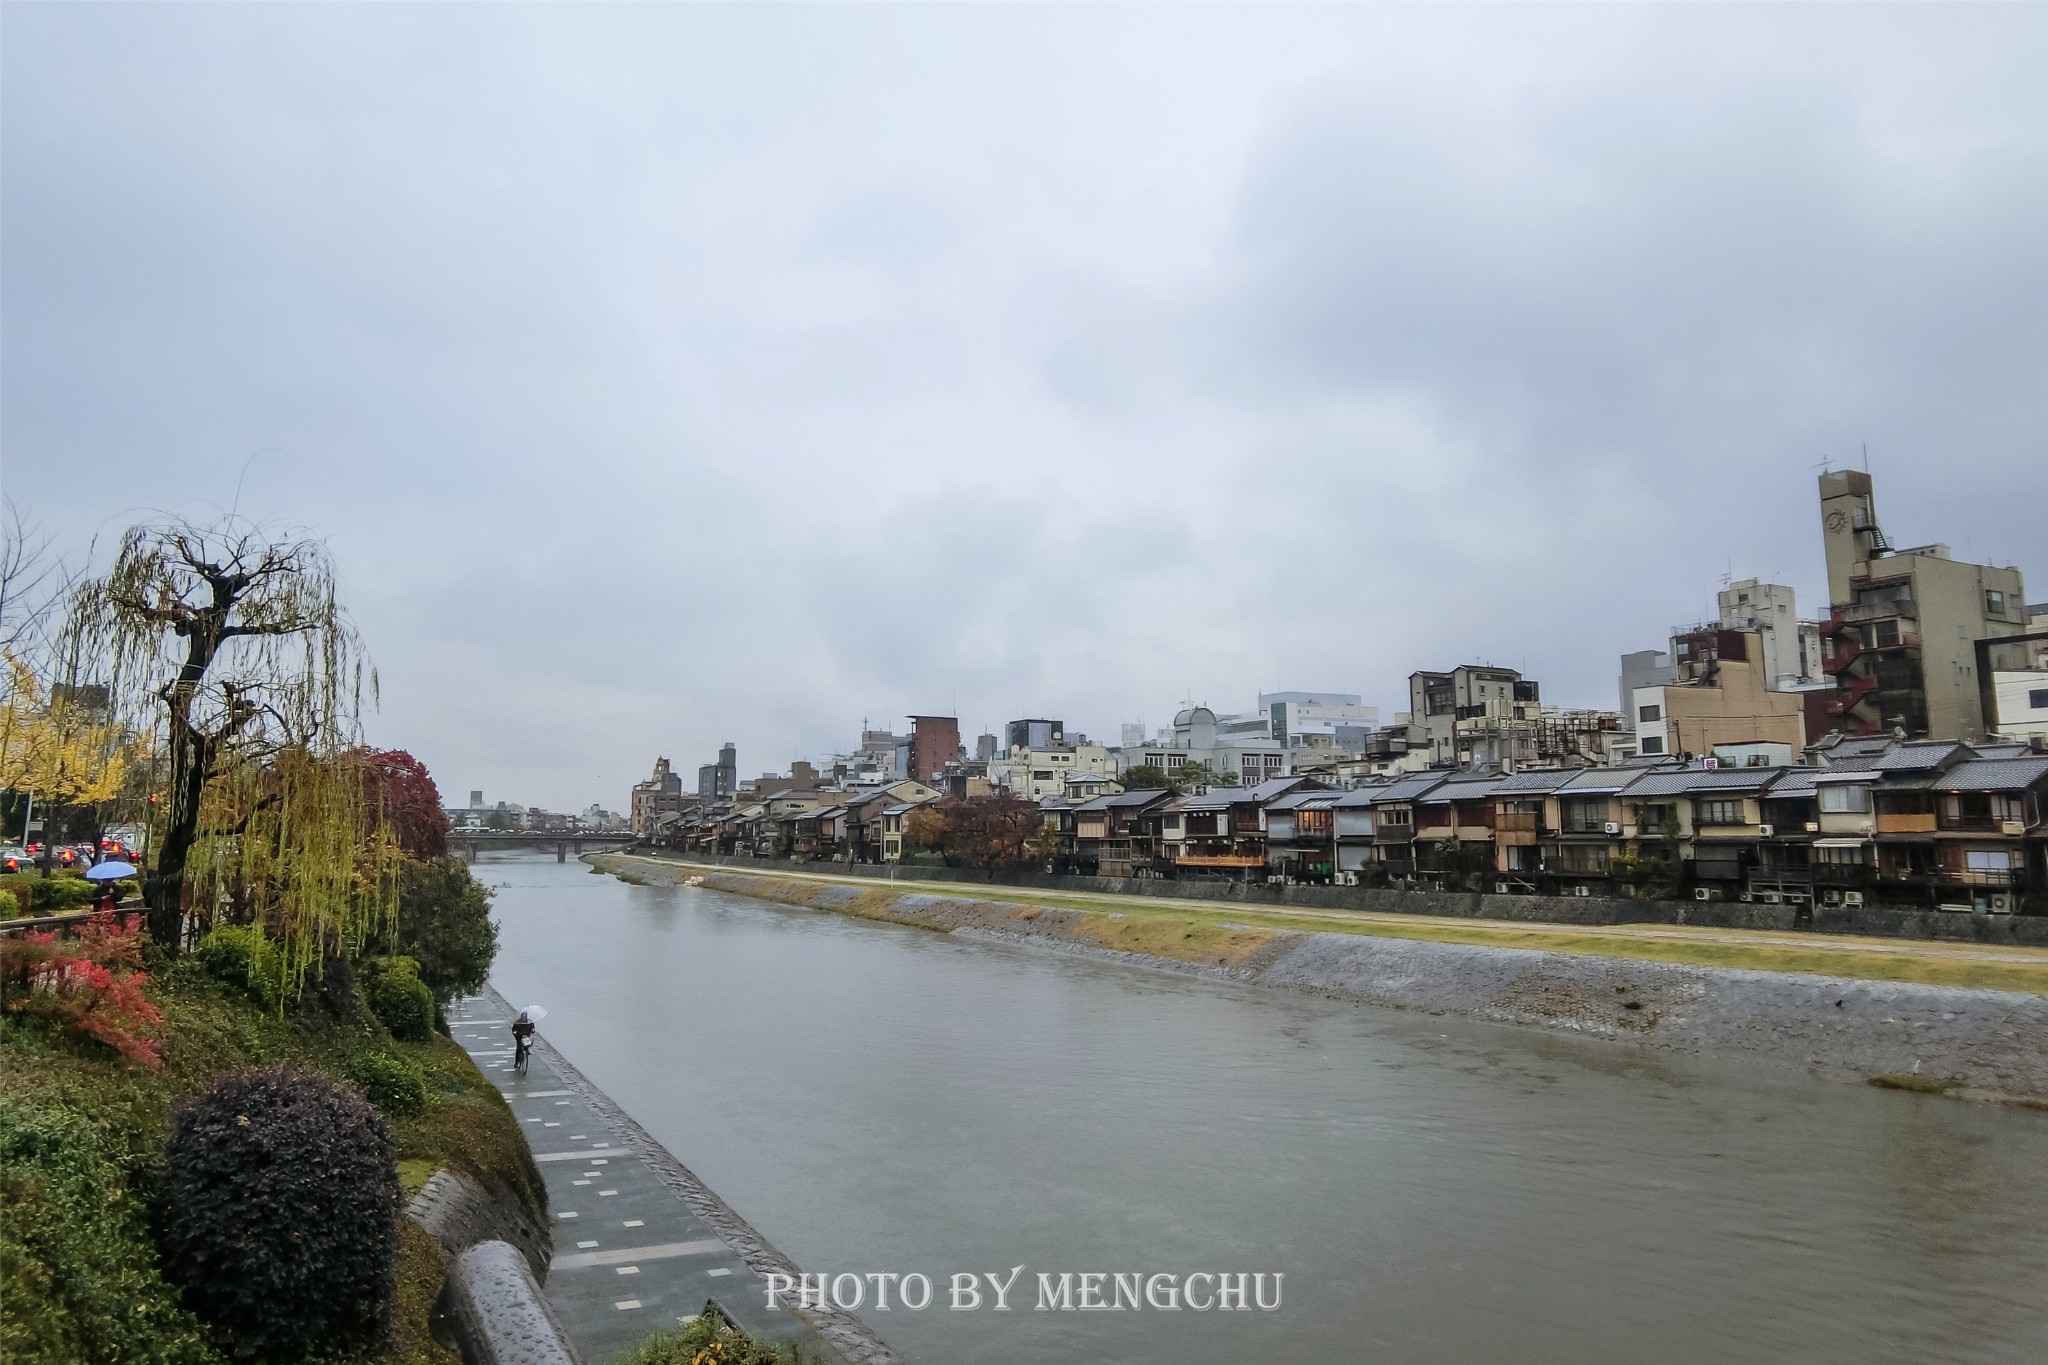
(934, 742)
(661, 794)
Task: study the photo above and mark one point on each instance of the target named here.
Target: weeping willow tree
(234, 639)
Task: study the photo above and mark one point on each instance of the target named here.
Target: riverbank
(1869, 1019)
(639, 1241)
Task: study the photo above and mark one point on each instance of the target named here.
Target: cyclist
(522, 1041)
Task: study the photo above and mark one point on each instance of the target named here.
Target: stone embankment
(1873, 921)
(1975, 1043)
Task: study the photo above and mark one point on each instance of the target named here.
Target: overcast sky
(663, 376)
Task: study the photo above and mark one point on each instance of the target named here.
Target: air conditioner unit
(1766, 831)
(1867, 827)
(1852, 898)
(1582, 891)
(1831, 896)
(2001, 905)
(1745, 896)
(1500, 888)
(1613, 828)
(1702, 893)
(1813, 826)
(2012, 829)
(1773, 898)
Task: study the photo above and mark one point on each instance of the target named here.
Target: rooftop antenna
(1866, 457)
(1823, 465)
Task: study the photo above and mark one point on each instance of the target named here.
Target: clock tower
(1848, 523)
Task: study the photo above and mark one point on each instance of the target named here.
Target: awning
(1840, 843)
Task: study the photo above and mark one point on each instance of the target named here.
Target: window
(2037, 699)
(1997, 860)
(1881, 634)
(1722, 811)
(1649, 713)
(1653, 744)
(1845, 799)
(1841, 857)
(1994, 602)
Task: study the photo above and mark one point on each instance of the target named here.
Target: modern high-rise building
(476, 800)
(1901, 640)
(716, 780)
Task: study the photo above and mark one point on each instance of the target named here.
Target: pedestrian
(522, 1041)
(107, 901)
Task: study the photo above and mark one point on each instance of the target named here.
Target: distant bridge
(469, 842)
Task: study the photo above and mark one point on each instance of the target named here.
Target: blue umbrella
(107, 872)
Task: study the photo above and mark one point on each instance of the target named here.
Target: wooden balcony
(1915, 823)
(1221, 860)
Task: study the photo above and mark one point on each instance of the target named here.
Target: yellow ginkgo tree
(57, 746)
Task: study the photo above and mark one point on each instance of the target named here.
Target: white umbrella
(534, 1013)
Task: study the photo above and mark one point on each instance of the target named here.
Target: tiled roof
(1534, 780)
(1691, 780)
(1407, 788)
(1993, 774)
(1792, 782)
(1310, 797)
(1594, 781)
(1916, 757)
(1466, 789)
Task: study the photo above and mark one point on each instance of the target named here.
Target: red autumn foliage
(89, 984)
(985, 832)
(404, 794)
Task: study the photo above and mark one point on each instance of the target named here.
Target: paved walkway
(631, 1255)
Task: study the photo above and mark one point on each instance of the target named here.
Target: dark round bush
(401, 1000)
(281, 1205)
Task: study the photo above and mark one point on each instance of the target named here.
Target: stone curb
(498, 1313)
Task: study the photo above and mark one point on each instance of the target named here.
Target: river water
(876, 1098)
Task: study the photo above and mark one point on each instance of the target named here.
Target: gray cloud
(669, 375)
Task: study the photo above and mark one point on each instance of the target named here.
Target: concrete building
(1235, 745)
(934, 742)
(1644, 668)
(1902, 635)
(1036, 773)
(1475, 713)
(716, 781)
(1033, 734)
(1318, 720)
(661, 794)
(1719, 700)
(1791, 657)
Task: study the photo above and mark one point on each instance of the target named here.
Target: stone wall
(1876, 921)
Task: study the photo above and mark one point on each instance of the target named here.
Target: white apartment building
(1296, 720)
(1035, 774)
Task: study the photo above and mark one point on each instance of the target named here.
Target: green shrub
(400, 999)
(240, 956)
(281, 1203)
(393, 1084)
(78, 1276)
(59, 892)
(17, 894)
(444, 924)
(709, 1337)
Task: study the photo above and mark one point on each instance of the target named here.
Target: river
(876, 1098)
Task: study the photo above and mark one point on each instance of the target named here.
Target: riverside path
(640, 1243)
